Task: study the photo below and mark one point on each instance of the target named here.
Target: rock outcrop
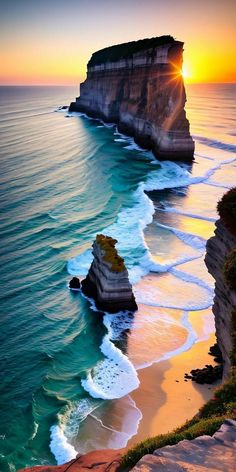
(74, 283)
(107, 281)
(139, 86)
(203, 454)
(217, 250)
(100, 461)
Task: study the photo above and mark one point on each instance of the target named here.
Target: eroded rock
(107, 281)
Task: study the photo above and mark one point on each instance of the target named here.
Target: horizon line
(72, 85)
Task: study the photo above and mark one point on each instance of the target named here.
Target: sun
(185, 73)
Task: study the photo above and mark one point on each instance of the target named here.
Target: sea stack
(139, 86)
(107, 281)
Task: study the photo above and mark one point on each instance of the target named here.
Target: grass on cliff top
(107, 244)
(226, 208)
(126, 50)
(207, 421)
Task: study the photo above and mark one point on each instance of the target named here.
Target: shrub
(227, 210)
(230, 269)
(107, 244)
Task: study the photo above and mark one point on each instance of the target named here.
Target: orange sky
(50, 41)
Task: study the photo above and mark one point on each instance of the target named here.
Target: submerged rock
(107, 281)
(74, 283)
(139, 86)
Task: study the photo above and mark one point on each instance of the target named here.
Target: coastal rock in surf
(107, 281)
(139, 86)
(218, 251)
(74, 283)
(100, 461)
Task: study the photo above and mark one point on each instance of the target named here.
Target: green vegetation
(107, 244)
(227, 210)
(126, 50)
(207, 421)
(230, 269)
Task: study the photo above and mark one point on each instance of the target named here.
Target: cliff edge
(139, 86)
(107, 281)
(221, 263)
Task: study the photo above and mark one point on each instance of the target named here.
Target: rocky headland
(107, 281)
(139, 86)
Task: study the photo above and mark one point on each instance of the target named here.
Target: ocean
(66, 372)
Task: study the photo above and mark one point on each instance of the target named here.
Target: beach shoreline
(164, 398)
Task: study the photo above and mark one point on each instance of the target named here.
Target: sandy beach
(165, 399)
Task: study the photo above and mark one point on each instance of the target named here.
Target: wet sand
(165, 399)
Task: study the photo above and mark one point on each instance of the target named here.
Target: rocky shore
(139, 86)
(107, 281)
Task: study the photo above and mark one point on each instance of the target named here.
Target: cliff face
(141, 89)
(218, 248)
(107, 280)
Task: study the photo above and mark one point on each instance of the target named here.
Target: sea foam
(62, 450)
(113, 377)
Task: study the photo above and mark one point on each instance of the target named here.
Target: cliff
(217, 250)
(203, 454)
(221, 263)
(107, 281)
(139, 86)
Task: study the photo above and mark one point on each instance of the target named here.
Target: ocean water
(66, 372)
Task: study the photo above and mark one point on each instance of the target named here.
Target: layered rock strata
(205, 453)
(139, 86)
(217, 249)
(107, 281)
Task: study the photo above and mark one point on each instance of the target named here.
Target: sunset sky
(51, 41)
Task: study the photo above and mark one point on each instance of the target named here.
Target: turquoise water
(65, 178)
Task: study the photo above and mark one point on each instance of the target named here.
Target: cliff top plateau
(126, 50)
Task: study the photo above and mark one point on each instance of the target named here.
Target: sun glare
(185, 73)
